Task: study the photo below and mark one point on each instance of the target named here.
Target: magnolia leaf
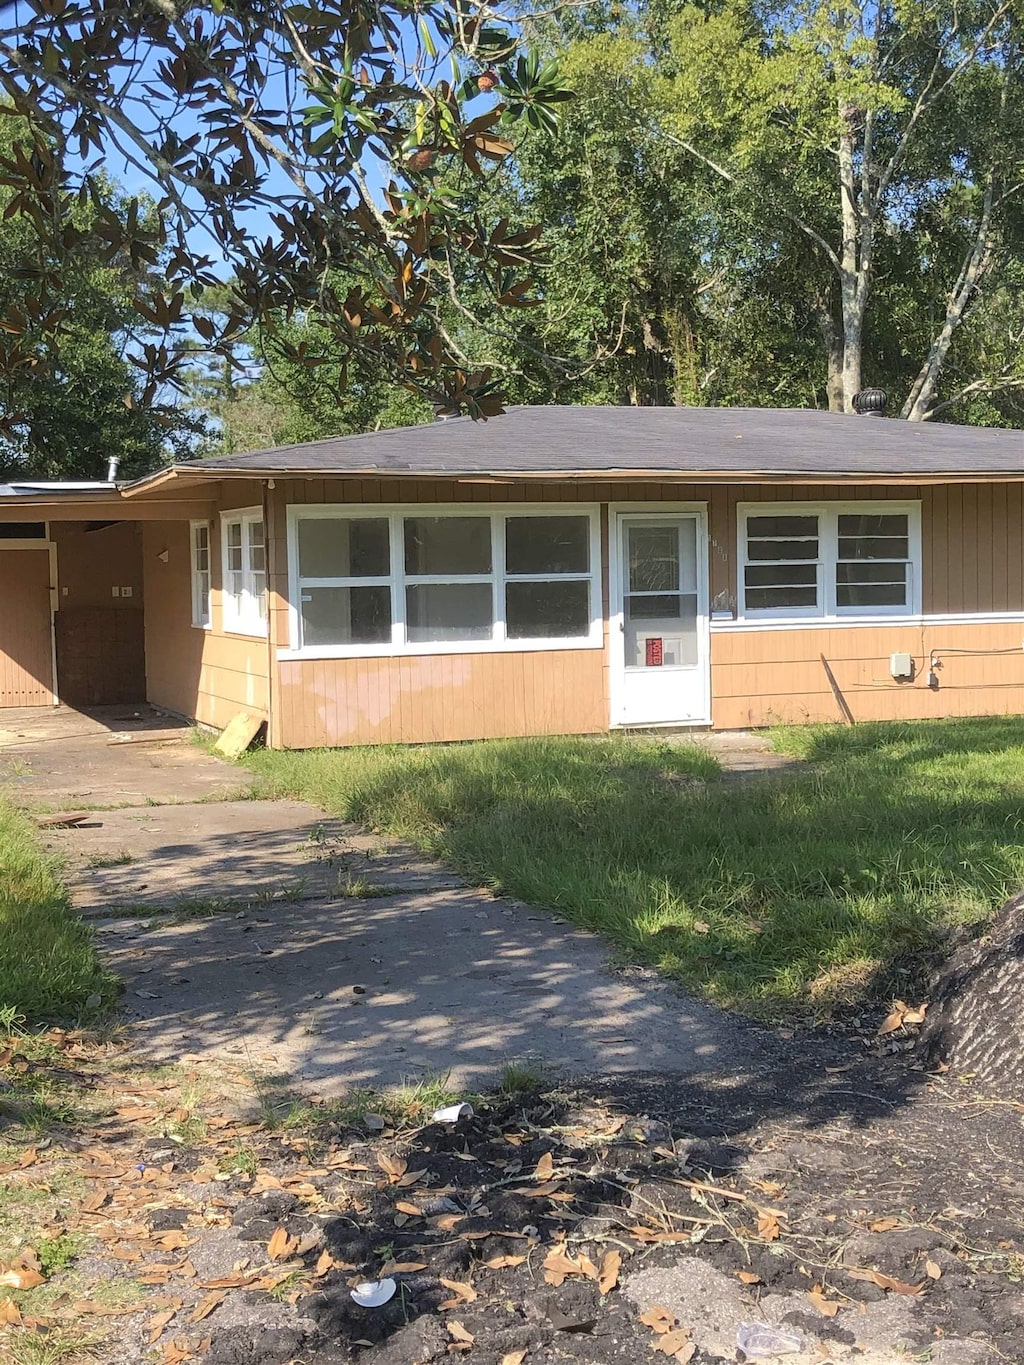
(658, 1319)
(608, 1276)
(828, 1308)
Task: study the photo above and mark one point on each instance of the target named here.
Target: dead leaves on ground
(672, 1340)
(885, 1281)
(559, 1266)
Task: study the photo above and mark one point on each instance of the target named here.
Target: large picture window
(244, 573)
(423, 580)
(838, 559)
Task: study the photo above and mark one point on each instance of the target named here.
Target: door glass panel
(653, 559)
(660, 599)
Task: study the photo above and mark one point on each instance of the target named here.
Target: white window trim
(248, 621)
(398, 580)
(828, 514)
(201, 620)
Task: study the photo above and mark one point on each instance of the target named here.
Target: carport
(71, 609)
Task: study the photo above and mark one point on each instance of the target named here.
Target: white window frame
(399, 580)
(201, 593)
(249, 620)
(828, 514)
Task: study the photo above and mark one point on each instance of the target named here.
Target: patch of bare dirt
(872, 1213)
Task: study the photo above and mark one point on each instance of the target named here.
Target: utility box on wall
(901, 666)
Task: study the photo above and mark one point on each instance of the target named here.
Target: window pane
(781, 527)
(768, 575)
(878, 571)
(543, 545)
(653, 558)
(257, 558)
(259, 593)
(256, 532)
(653, 606)
(234, 533)
(541, 611)
(447, 545)
(782, 549)
(871, 595)
(870, 524)
(760, 599)
(874, 547)
(663, 637)
(349, 547)
(449, 611)
(346, 616)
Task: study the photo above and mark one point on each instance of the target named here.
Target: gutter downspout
(271, 650)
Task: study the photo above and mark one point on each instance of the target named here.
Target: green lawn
(790, 894)
(48, 969)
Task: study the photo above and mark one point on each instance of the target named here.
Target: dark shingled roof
(580, 440)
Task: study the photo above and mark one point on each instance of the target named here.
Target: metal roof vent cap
(870, 402)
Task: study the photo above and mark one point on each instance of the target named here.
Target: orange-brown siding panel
(777, 676)
(26, 649)
(440, 697)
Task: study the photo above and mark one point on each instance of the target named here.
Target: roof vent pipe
(112, 468)
(870, 402)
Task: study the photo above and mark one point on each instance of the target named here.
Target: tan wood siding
(769, 677)
(434, 697)
(26, 641)
(100, 638)
(207, 675)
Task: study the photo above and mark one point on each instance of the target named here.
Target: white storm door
(660, 633)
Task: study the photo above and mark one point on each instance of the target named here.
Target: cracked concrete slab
(265, 931)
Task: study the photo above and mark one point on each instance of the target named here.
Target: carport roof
(576, 442)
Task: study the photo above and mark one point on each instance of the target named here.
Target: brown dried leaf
(157, 1324)
(402, 1268)
(894, 1019)
(885, 1281)
(545, 1168)
(658, 1319)
(748, 1277)
(460, 1333)
(885, 1224)
(21, 1277)
(674, 1343)
(410, 1178)
(463, 1291)
(413, 1210)
(768, 1225)
(205, 1307)
(608, 1277)
(558, 1267)
(393, 1166)
(513, 1358)
(280, 1245)
(503, 1262)
(932, 1270)
(10, 1313)
(828, 1308)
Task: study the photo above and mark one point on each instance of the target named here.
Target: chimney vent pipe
(112, 469)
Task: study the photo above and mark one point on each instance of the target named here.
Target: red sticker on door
(654, 651)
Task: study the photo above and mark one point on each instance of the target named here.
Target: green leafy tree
(260, 124)
(888, 136)
(70, 396)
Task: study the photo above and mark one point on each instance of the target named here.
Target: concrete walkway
(267, 932)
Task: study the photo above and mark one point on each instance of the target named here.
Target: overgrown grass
(791, 893)
(48, 968)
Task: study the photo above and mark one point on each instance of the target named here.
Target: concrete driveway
(265, 931)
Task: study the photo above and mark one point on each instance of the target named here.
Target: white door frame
(617, 511)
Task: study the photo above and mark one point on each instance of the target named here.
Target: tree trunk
(975, 1021)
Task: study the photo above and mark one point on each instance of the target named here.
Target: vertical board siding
(775, 677)
(26, 648)
(206, 675)
(972, 561)
(433, 697)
